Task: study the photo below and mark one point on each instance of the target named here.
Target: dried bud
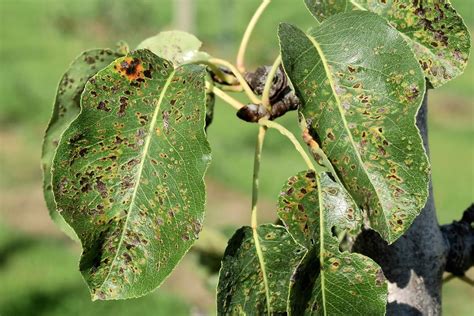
(252, 113)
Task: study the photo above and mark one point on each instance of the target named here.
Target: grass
(38, 39)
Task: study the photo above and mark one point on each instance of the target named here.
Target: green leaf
(323, 9)
(298, 208)
(66, 108)
(128, 173)
(318, 211)
(176, 46)
(434, 30)
(360, 92)
(256, 271)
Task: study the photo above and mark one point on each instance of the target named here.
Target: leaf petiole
(225, 97)
(270, 124)
(253, 98)
(253, 222)
(218, 72)
(248, 32)
(268, 84)
(292, 138)
(256, 170)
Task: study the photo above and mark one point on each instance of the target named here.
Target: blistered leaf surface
(66, 108)
(317, 211)
(360, 92)
(249, 285)
(435, 31)
(128, 172)
(176, 46)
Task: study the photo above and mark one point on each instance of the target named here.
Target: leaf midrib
(321, 243)
(344, 121)
(261, 261)
(146, 147)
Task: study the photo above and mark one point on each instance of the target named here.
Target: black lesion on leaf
(101, 187)
(123, 106)
(89, 59)
(130, 68)
(147, 73)
(102, 105)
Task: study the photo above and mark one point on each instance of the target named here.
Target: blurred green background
(38, 40)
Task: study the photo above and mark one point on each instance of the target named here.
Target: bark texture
(414, 264)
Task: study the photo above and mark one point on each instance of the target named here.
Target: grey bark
(414, 264)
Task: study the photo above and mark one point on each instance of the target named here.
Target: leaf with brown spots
(318, 212)
(256, 271)
(434, 30)
(177, 46)
(128, 174)
(66, 108)
(361, 107)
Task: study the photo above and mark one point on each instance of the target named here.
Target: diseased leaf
(360, 92)
(317, 210)
(323, 9)
(434, 30)
(176, 46)
(299, 210)
(180, 48)
(255, 278)
(128, 174)
(66, 108)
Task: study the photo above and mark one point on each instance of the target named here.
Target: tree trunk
(414, 264)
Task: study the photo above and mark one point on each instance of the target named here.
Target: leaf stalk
(248, 32)
(253, 98)
(268, 84)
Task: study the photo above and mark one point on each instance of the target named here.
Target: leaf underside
(360, 92)
(66, 108)
(176, 46)
(246, 281)
(434, 30)
(317, 211)
(128, 174)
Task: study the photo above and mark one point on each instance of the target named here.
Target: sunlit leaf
(176, 46)
(435, 31)
(256, 271)
(66, 108)
(323, 9)
(360, 92)
(318, 211)
(128, 172)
